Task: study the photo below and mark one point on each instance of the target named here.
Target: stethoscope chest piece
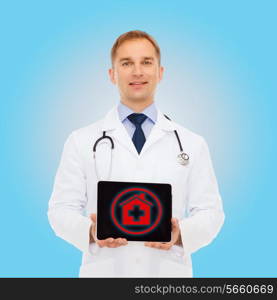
(183, 158)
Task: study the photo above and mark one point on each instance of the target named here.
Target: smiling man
(136, 70)
(143, 137)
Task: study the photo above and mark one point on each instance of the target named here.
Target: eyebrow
(129, 58)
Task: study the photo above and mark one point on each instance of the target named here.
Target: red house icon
(136, 210)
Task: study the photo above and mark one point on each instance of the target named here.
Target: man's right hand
(109, 242)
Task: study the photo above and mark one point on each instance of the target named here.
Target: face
(136, 71)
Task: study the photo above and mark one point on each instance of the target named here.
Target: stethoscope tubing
(184, 157)
(101, 138)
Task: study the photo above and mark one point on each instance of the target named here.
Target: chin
(138, 99)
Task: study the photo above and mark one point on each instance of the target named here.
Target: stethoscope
(182, 158)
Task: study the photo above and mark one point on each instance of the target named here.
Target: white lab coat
(195, 196)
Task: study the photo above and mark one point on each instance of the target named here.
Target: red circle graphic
(145, 230)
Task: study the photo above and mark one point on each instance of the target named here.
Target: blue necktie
(138, 137)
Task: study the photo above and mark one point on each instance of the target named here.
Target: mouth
(138, 83)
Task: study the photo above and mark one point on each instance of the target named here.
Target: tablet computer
(136, 211)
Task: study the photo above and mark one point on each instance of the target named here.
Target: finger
(166, 246)
(123, 241)
(162, 246)
(155, 245)
(100, 243)
(118, 242)
(107, 242)
(113, 245)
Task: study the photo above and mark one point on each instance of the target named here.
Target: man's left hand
(175, 238)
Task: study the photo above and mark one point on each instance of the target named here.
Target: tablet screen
(134, 210)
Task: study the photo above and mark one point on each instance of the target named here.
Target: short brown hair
(132, 35)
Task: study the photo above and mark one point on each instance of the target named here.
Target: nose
(137, 70)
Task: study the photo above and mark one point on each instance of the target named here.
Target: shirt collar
(124, 111)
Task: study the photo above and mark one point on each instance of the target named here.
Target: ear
(161, 72)
(111, 74)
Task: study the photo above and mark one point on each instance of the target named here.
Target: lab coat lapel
(159, 130)
(114, 127)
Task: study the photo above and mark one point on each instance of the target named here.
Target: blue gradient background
(220, 81)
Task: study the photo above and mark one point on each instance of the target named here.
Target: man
(145, 151)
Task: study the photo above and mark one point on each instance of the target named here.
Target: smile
(138, 83)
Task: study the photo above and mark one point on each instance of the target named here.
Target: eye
(147, 62)
(126, 63)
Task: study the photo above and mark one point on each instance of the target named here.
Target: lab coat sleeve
(68, 199)
(205, 215)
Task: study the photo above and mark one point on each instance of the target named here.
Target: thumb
(93, 217)
(174, 223)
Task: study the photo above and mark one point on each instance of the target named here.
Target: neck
(137, 106)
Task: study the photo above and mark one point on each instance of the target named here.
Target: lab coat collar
(111, 121)
(114, 127)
